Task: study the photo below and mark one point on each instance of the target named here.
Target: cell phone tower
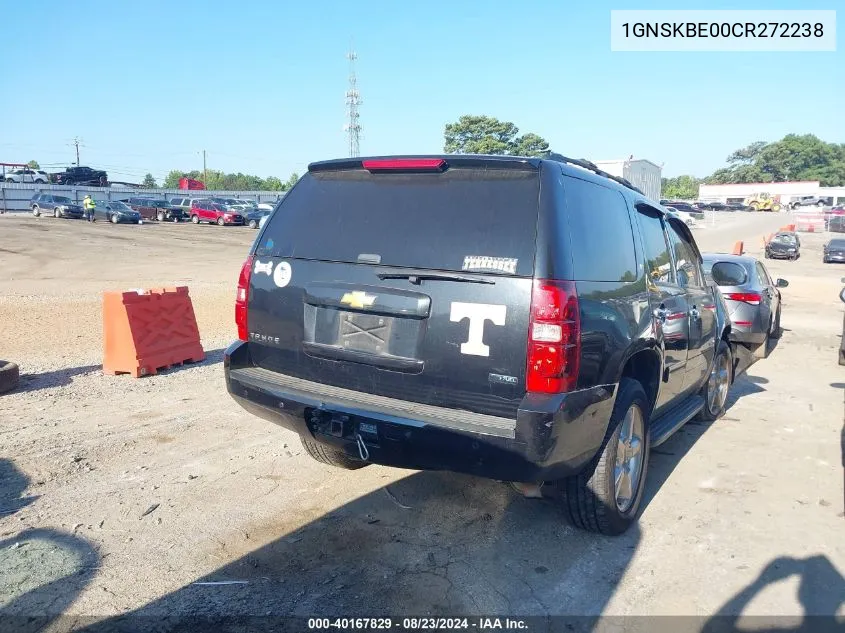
(353, 100)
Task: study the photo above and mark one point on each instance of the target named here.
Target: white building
(642, 173)
(784, 192)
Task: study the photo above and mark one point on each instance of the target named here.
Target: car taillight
(242, 298)
(554, 338)
(752, 298)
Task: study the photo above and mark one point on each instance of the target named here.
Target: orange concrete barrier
(789, 228)
(738, 248)
(143, 333)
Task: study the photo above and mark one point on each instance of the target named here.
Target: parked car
(834, 251)
(266, 206)
(81, 176)
(687, 208)
(116, 212)
(737, 206)
(810, 201)
(253, 217)
(184, 203)
(28, 176)
(833, 212)
(153, 209)
(783, 245)
(506, 335)
(836, 224)
(683, 216)
(752, 297)
(57, 206)
(213, 213)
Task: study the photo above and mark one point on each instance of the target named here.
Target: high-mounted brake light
(752, 298)
(554, 338)
(242, 298)
(404, 164)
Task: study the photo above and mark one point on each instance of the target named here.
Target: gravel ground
(119, 495)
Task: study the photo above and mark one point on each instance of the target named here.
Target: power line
(353, 100)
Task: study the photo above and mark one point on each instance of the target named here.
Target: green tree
(794, 157)
(294, 177)
(680, 187)
(474, 134)
(149, 182)
(33, 164)
(272, 183)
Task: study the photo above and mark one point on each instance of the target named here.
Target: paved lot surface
(119, 495)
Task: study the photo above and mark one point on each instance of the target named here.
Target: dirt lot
(120, 495)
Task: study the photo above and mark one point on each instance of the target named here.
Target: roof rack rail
(585, 164)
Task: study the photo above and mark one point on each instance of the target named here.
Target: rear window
(728, 274)
(448, 221)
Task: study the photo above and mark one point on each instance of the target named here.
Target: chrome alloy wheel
(629, 459)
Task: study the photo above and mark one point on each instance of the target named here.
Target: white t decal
(477, 313)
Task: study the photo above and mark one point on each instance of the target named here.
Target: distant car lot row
(212, 210)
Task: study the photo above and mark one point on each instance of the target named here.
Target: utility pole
(204, 171)
(353, 100)
(76, 142)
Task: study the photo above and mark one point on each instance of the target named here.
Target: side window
(763, 275)
(687, 267)
(658, 261)
(602, 242)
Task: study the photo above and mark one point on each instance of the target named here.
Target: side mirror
(781, 283)
(842, 295)
(842, 280)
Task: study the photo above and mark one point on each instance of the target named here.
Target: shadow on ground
(821, 592)
(65, 376)
(13, 484)
(433, 543)
(42, 571)
(51, 379)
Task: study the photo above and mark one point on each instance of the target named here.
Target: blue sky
(260, 85)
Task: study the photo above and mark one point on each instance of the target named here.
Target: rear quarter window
(728, 274)
(432, 221)
(601, 238)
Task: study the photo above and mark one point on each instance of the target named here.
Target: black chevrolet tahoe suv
(536, 321)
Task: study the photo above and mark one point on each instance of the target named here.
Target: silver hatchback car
(752, 297)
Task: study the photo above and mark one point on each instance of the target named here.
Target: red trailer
(190, 183)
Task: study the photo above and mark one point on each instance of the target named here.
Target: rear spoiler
(449, 160)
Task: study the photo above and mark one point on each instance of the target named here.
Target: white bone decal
(263, 268)
(477, 313)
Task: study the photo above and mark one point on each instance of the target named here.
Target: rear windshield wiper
(416, 277)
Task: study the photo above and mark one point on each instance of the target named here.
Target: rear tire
(776, 331)
(330, 456)
(253, 224)
(590, 498)
(114, 219)
(36, 211)
(57, 213)
(715, 390)
(195, 219)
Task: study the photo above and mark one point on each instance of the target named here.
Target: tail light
(751, 298)
(242, 298)
(554, 338)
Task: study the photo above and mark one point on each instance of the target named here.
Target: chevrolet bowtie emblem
(358, 299)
